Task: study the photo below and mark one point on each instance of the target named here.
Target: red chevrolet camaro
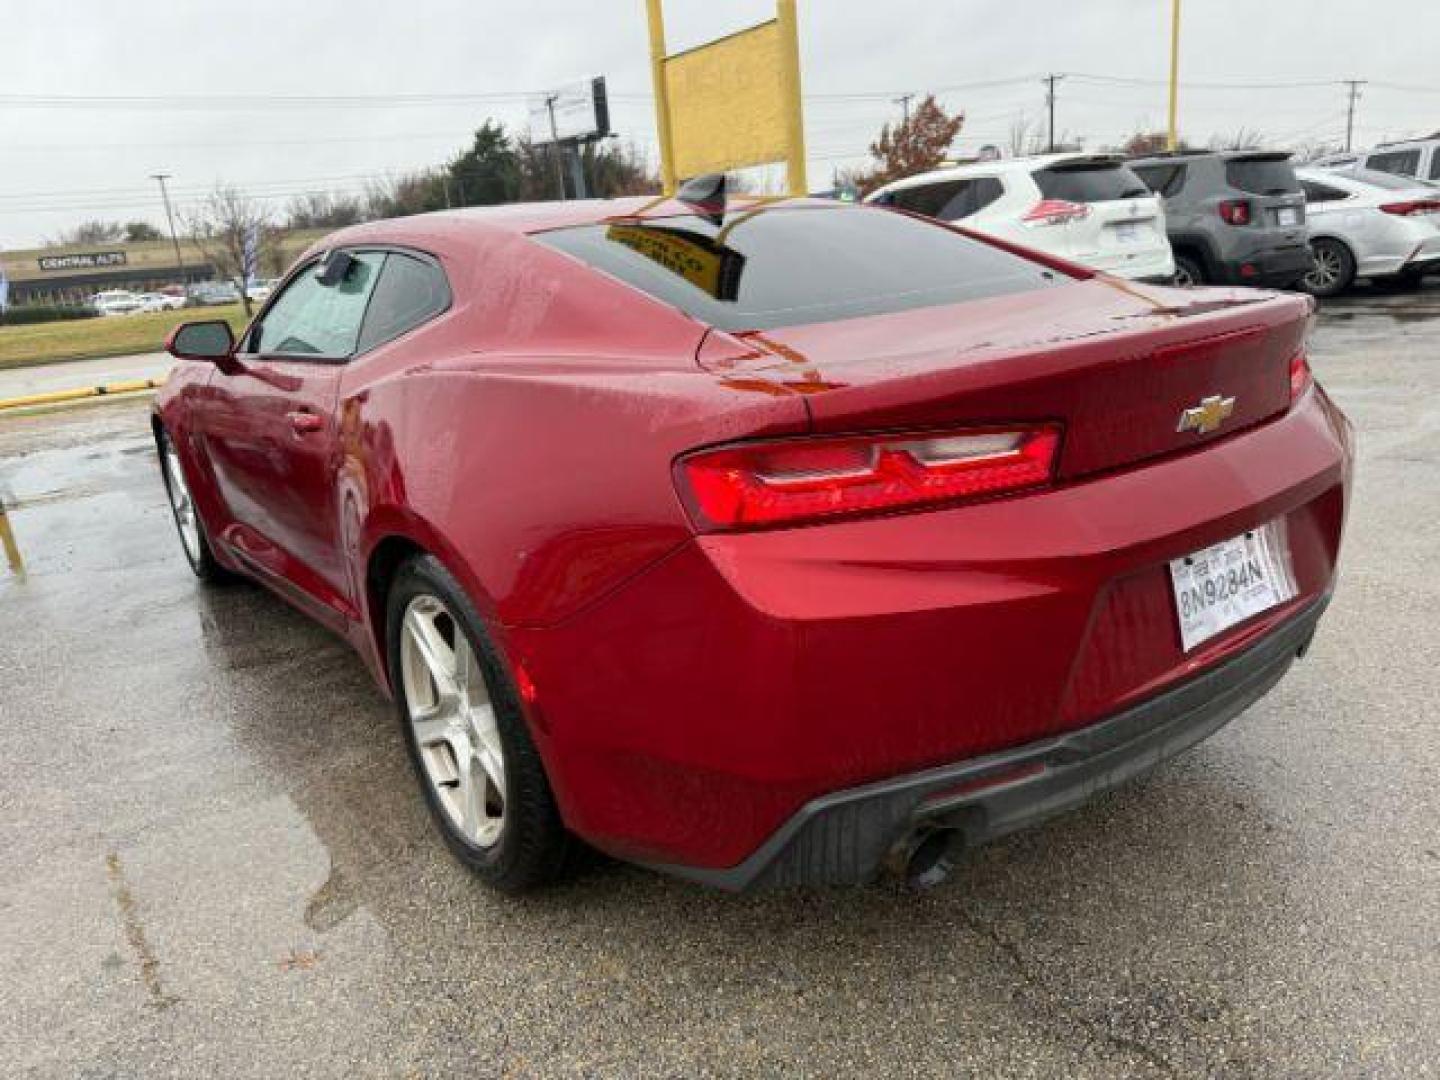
(763, 542)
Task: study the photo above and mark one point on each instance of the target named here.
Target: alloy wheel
(182, 503)
(453, 720)
(1329, 268)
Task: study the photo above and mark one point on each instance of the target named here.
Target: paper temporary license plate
(1289, 215)
(1226, 583)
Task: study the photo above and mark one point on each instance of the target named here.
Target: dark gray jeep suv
(1235, 217)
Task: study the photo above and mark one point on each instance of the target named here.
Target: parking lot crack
(135, 934)
(1036, 983)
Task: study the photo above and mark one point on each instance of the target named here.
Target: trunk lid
(1117, 365)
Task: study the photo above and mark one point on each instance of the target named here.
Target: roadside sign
(732, 103)
(579, 112)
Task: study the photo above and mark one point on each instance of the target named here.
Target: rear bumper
(696, 710)
(1273, 267)
(844, 838)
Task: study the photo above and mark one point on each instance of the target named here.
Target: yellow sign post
(7, 540)
(730, 103)
(1172, 135)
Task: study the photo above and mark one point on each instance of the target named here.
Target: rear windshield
(785, 266)
(1090, 182)
(1164, 180)
(1262, 176)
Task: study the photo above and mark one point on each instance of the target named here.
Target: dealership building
(73, 273)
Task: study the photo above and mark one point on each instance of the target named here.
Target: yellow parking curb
(54, 397)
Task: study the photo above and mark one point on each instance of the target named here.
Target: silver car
(1366, 224)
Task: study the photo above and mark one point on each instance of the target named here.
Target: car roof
(1404, 144)
(1257, 153)
(1029, 164)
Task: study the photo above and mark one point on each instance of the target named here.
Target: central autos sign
(88, 261)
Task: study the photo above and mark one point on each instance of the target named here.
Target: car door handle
(305, 423)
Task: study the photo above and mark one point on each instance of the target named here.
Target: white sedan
(154, 301)
(115, 302)
(1366, 224)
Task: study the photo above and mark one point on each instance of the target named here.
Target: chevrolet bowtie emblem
(1208, 415)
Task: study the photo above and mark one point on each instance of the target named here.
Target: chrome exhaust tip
(925, 857)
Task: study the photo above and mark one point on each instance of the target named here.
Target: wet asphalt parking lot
(214, 859)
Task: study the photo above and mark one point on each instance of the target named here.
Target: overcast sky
(72, 148)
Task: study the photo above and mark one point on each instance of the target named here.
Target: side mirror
(209, 339)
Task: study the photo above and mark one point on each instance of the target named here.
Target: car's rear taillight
(1299, 376)
(1056, 212)
(1235, 211)
(1413, 208)
(750, 485)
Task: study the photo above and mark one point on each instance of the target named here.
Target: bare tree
(1023, 137)
(1242, 139)
(90, 232)
(232, 230)
(323, 210)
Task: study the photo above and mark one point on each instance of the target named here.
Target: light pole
(160, 179)
(555, 148)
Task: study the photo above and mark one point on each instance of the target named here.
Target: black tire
(202, 559)
(1334, 270)
(1188, 271)
(534, 847)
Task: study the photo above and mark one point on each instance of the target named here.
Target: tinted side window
(1262, 176)
(410, 291)
(1435, 164)
(947, 200)
(987, 190)
(1321, 192)
(1089, 183)
(309, 319)
(1399, 162)
(1165, 180)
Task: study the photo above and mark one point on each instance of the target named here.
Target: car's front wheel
(193, 540)
(481, 775)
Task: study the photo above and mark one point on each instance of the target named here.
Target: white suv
(1090, 209)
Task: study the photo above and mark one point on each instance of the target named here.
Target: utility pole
(160, 179)
(1172, 134)
(904, 102)
(555, 147)
(1050, 81)
(1354, 85)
